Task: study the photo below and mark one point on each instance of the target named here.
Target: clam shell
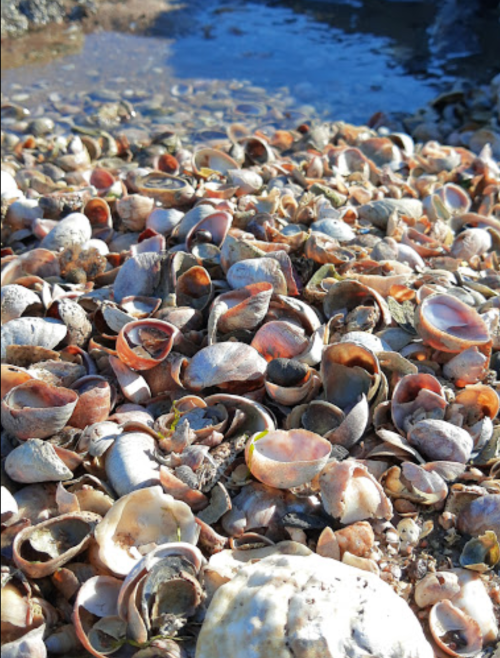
(36, 461)
(53, 543)
(37, 410)
(350, 493)
(33, 332)
(286, 459)
(138, 276)
(141, 520)
(473, 600)
(168, 190)
(292, 589)
(164, 221)
(435, 587)
(225, 365)
(31, 645)
(75, 229)
(13, 376)
(130, 463)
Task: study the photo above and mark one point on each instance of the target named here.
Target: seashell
(58, 373)
(143, 344)
(416, 396)
(351, 494)
(37, 410)
(134, 387)
(36, 502)
(288, 373)
(474, 600)
(73, 230)
(168, 190)
(31, 644)
(194, 288)
(98, 597)
(138, 276)
(130, 463)
(347, 297)
(42, 549)
(454, 632)
(212, 229)
(244, 308)
(286, 459)
(323, 250)
(445, 323)
(98, 212)
(81, 496)
(94, 401)
(310, 586)
(334, 228)
(481, 553)
(378, 212)
(348, 372)
(436, 587)
(439, 440)
(36, 461)
(331, 422)
(167, 579)
(280, 340)
(139, 522)
(164, 221)
(162, 649)
(13, 376)
(207, 160)
(16, 300)
(134, 211)
(74, 317)
(258, 270)
(10, 507)
(468, 367)
(33, 332)
(423, 486)
(472, 242)
(225, 365)
(480, 515)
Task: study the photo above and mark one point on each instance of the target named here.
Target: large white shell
(309, 607)
(15, 300)
(130, 463)
(33, 331)
(138, 523)
(72, 230)
(36, 461)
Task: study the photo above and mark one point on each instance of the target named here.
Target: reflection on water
(347, 58)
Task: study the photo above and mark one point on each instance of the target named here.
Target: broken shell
(468, 367)
(225, 365)
(439, 440)
(98, 597)
(13, 376)
(244, 308)
(37, 410)
(194, 288)
(134, 387)
(143, 344)
(30, 645)
(349, 371)
(138, 276)
(453, 631)
(346, 297)
(350, 493)
(34, 332)
(448, 324)
(208, 160)
(168, 190)
(36, 461)
(285, 592)
(436, 587)
(63, 641)
(94, 401)
(474, 600)
(42, 549)
(280, 340)
(481, 553)
(414, 395)
(286, 459)
(130, 463)
(139, 522)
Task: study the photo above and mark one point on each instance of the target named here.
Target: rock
(309, 607)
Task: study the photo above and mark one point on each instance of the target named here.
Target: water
(346, 58)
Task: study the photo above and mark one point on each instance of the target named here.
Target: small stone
(286, 372)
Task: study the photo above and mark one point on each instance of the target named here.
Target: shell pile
(229, 368)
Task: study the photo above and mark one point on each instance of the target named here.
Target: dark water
(346, 58)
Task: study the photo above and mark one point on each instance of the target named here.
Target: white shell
(36, 461)
(130, 463)
(9, 189)
(15, 300)
(474, 600)
(33, 331)
(73, 229)
(257, 270)
(164, 221)
(309, 607)
(138, 523)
